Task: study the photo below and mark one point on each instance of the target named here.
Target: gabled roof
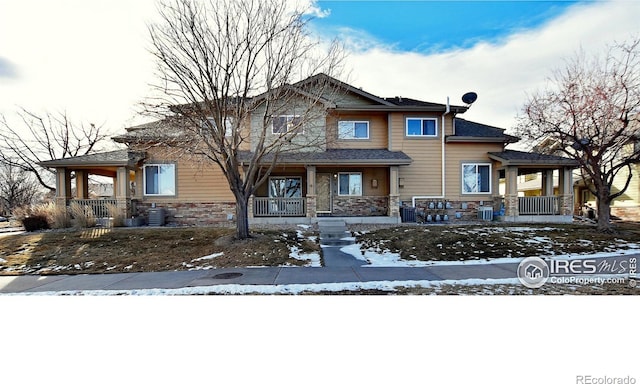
(469, 131)
(340, 156)
(511, 157)
(119, 158)
(343, 85)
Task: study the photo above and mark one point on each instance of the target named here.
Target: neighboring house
(381, 154)
(626, 206)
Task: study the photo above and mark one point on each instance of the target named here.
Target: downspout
(413, 199)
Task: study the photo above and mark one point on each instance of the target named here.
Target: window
(350, 184)
(476, 178)
(285, 187)
(285, 123)
(421, 127)
(353, 129)
(228, 125)
(160, 180)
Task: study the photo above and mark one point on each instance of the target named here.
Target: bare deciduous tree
(227, 72)
(17, 188)
(590, 109)
(45, 137)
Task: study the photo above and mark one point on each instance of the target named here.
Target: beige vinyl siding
(195, 181)
(424, 176)
(631, 197)
(458, 153)
(378, 131)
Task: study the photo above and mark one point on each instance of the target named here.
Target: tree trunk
(242, 219)
(604, 214)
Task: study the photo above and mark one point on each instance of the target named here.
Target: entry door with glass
(323, 193)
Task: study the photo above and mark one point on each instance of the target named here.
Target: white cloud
(91, 59)
(500, 73)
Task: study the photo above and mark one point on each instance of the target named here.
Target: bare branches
(38, 138)
(591, 109)
(227, 68)
(17, 188)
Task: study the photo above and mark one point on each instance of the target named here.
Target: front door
(323, 192)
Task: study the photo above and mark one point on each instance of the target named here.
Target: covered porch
(123, 167)
(353, 184)
(551, 205)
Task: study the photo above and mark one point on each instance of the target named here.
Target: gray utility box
(156, 217)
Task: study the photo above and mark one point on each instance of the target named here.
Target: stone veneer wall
(360, 205)
(193, 213)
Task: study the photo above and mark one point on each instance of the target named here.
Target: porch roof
(339, 156)
(470, 131)
(511, 157)
(119, 158)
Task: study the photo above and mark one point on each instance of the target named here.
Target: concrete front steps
(333, 232)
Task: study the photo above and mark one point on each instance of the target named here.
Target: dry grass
(105, 250)
(439, 242)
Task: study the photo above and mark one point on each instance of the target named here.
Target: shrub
(83, 215)
(35, 223)
(116, 214)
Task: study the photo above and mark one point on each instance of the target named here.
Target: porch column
(565, 186)
(139, 187)
(394, 192)
(547, 182)
(82, 185)
(511, 192)
(122, 190)
(63, 186)
(311, 191)
(250, 213)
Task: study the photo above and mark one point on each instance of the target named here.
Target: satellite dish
(469, 98)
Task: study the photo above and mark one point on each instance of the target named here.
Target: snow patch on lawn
(209, 257)
(2, 260)
(313, 258)
(235, 289)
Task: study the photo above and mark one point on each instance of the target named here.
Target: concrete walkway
(333, 236)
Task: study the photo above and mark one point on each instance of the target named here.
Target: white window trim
(273, 120)
(406, 126)
(228, 125)
(144, 179)
(490, 178)
(354, 130)
(350, 173)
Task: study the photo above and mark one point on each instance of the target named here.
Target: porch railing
(539, 205)
(279, 206)
(99, 207)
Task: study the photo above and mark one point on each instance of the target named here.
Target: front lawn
(106, 250)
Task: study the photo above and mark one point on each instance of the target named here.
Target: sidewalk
(249, 276)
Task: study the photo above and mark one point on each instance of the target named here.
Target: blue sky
(428, 26)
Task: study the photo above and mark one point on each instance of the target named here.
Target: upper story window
(228, 125)
(421, 127)
(159, 179)
(285, 123)
(476, 178)
(353, 130)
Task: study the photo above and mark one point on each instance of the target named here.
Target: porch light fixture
(374, 183)
(401, 182)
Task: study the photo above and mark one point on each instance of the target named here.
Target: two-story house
(380, 155)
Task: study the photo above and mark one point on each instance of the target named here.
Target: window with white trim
(476, 178)
(421, 127)
(228, 125)
(159, 179)
(285, 187)
(353, 130)
(285, 123)
(350, 184)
